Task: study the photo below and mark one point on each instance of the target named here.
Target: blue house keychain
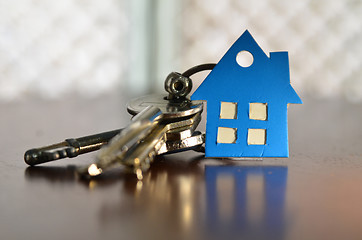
(247, 104)
(246, 116)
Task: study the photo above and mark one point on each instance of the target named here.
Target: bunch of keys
(161, 124)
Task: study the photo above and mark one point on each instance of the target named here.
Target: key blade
(148, 148)
(141, 155)
(144, 152)
(136, 149)
(140, 127)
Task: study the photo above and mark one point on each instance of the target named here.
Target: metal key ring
(180, 85)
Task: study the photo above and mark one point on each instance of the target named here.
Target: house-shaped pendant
(247, 104)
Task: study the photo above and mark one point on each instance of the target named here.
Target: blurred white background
(53, 49)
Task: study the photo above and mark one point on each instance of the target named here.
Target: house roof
(265, 79)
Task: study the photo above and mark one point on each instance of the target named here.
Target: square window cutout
(258, 111)
(256, 136)
(228, 110)
(226, 135)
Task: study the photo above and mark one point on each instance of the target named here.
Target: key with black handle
(70, 148)
(177, 85)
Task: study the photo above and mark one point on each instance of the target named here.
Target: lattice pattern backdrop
(324, 38)
(50, 48)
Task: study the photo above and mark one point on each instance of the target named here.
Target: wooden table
(314, 194)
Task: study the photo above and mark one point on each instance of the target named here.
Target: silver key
(140, 127)
(179, 119)
(138, 150)
(142, 155)
(193, 142)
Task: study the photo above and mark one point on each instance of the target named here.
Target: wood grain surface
(314, 194)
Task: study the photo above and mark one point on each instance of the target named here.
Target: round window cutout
(244, 59)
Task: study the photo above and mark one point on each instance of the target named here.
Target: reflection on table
(185, 199)
(246, 201)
